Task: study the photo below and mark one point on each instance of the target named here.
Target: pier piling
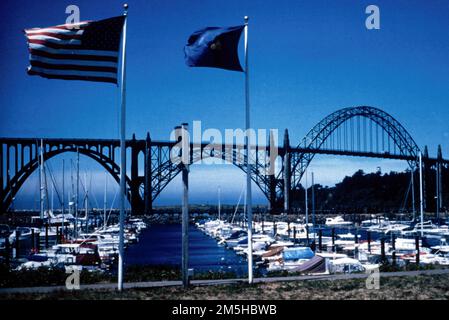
(17, 243)
(33, 238)
(417, 250)
(320, 239)
(368, 235)
(7, 251)
(46, 236)
(294, 234)
(38, 242)
(333, 239)
(307, 233)
(382, 249)
(393, 246)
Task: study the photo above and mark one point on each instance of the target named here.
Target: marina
(217, 245)
(282, 246)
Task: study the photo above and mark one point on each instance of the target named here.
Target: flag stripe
(56, 32)
(73, 77)
(98, 53)
(74, 62)
(73, 72)
(50, 39)
(81, 57)
(54, 45)
(40, 64)
(57, 35)
(66, 29)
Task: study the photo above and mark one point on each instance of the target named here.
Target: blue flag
(214, 47)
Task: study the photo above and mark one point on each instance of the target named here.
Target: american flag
(83, 51)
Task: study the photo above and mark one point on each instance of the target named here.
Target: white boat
(443, 247)
(365, 224)
(345, 265)
(428, 228)
(291, 259)
(24, 234)
(337, 222)
(395, 228)
(434, 259)
(282, 243)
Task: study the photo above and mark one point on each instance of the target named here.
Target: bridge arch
(167, 171)
(27, 170)
(323, 131)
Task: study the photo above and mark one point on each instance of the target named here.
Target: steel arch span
(24, 168)
(359, 136)
(359, 131)
(167, 170)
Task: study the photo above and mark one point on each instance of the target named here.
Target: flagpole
(122, 154)
(248, 164)
(421, 197)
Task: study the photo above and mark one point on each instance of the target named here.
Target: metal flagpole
(41, 179)
(306, 200)
(122, 154)
(313, 201)
(185, 205)
(248, 164)
(421, 204)
(77, 190)
(412, 171)
(63, 200)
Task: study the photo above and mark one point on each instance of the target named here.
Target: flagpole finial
(246, 19)
(125, 6)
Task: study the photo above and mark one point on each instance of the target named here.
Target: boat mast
(412, 171)
(86, 200)
(313, 201)
(219, 203)
(44, 190)
(306, 201)
(46, 186)
(63, 195)
(77, 190)
(105, 198)
(72, 188)
(421, 205)
(52, 198)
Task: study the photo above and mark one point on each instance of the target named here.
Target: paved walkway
(156, 284)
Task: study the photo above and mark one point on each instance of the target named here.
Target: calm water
(161, 245)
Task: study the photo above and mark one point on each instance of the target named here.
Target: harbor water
(160, 244)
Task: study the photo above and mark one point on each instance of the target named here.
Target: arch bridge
(358, 131)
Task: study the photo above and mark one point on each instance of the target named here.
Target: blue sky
(308, 59)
